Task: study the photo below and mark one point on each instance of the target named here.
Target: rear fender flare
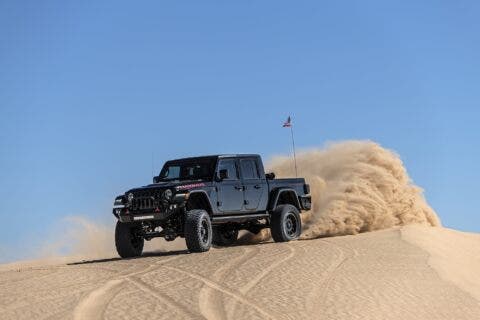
(290, 193)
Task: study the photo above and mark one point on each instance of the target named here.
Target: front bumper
(147, 210)
(145, 216)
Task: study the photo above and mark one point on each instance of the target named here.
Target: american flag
(288, 123)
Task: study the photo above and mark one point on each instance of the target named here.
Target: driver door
(230, 190)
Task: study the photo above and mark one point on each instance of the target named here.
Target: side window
(173, 172)
(249, 169)
(229, 165)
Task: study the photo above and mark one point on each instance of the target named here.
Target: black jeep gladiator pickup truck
(208, 200)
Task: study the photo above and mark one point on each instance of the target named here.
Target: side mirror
(270, 176)
(156, 179)
(223, 174)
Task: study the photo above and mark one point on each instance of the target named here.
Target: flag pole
(294, 153)
(289, 124)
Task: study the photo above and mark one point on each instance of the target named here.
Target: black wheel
(285, 223)
(127, 241)
(198, 231)
(224, 236)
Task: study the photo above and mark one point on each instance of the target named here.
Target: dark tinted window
(190, 169)
(229, 165)
(249, 169)
(171, 172)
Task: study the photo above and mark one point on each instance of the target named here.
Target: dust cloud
(81, 238)
(356, 186)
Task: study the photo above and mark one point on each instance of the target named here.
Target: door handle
(257, 186)
(240, 188)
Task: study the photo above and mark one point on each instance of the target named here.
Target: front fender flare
(204, 194)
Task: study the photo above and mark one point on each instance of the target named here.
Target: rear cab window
(249, 169)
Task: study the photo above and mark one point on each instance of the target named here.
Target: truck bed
(294, 183)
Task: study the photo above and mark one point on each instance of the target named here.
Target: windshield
(194, 169)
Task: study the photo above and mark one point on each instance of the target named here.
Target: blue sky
(89, 90)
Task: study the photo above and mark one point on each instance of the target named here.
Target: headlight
(118, 203)
(167, 194)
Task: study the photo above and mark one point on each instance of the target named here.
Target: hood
(175, 186)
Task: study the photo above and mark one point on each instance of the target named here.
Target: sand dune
(413, 272)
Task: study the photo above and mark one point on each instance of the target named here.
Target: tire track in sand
(209, 299)
(216, 286)
(330, 272)
(164, 298)
(255, 280)
(94, 305)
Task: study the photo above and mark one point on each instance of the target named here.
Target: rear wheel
(224, 236)
(127, 241)
(198, 231)
(285, 223)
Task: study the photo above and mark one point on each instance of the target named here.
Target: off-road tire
(285, 223)
(128, 245)
(224, 236)
(198, 231)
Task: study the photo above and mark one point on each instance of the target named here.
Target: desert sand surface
(413, 272)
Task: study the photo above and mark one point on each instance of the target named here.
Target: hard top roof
(240, 155)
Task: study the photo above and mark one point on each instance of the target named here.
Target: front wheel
(127, 241)
(285, 223)
(198, 231)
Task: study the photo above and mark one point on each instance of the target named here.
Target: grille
(143, 203)
(143, 200)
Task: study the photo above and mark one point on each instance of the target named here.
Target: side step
(238, 218)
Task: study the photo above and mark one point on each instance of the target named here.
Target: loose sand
(413, 272)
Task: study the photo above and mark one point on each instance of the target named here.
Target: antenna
(294, 152)
(153, 170)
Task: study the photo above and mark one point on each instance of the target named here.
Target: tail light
(306, 188)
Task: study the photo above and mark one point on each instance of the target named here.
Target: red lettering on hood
(191, 186)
